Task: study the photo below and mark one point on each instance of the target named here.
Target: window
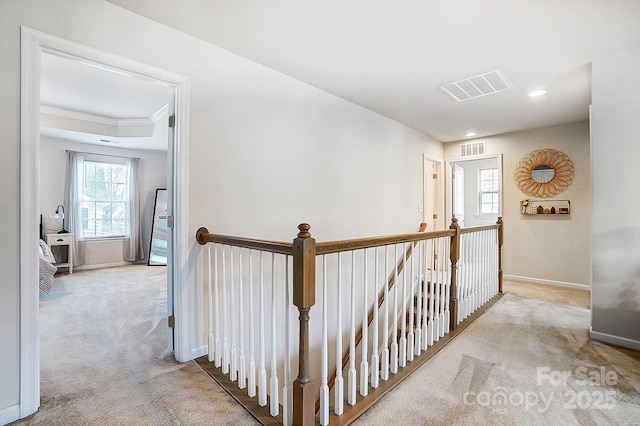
(103, 189)
(488, 191)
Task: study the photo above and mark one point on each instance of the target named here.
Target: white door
(431, 204)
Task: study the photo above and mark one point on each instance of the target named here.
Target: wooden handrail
(390, 282)
(304, 250)
(479, 228)
(203, 237)
(362, 243)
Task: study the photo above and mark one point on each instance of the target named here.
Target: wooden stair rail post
(454, 254)
(500, 241)
(304, 292)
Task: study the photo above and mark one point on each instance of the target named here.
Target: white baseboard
(9, 414)
(198, 352)
(101, 265)
(547, 282)
(614, 340)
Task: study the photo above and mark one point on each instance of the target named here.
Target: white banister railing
(392, 298)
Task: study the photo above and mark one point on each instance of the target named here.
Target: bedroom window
(488, 191)
(103, 189)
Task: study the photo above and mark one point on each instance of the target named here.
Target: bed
(46, 266)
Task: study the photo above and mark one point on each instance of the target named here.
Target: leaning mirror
(159, 235)
(544, 173)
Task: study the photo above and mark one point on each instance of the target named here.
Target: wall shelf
(545, 207)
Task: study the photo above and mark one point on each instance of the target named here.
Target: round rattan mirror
(544, 173)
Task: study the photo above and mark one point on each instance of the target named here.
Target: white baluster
(218, 343)
(211, 347)
(352, 338)
(262, 370)
(394, 332)
(425, 294)
(403, 310)
(273, 394)
(324, 364)
(432, 285)
(375, 361)
(242, 372)
(410, 334)
(287, 392)
(436, 288)
(364, 362)
(447, 286)
(338, 386)
(251, 391)
(443, 262)
(233, 374)
(225, 316)
(385, 319)
(418, 336)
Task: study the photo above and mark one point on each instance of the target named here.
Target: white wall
(266, 151)
(53, 164)
(616, 221)
(549, 249)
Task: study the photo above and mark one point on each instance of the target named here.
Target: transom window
(488, 191)
(103, 199)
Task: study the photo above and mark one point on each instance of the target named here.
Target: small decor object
(563, 210)
(544, 173)
(553, 210)
(525, 203)
(547, 211)
(540, 210)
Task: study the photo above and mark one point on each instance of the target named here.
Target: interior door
(431, 203)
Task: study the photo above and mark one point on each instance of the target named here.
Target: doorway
(34, 45)
(475, 189)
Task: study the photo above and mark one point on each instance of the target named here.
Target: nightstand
(62, 240)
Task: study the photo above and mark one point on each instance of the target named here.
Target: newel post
(304, 292)
(500, 241)
(454, 253)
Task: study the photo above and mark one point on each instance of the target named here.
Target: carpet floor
(524, 361)
(527, 360)
(104, 360)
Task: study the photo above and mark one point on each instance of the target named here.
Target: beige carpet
(104, 362)
(525, 361)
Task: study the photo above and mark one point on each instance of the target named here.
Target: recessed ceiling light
(470, 134)
(536, 93)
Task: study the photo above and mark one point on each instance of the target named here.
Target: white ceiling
(389, 56)
(392, 56)
(86, 103)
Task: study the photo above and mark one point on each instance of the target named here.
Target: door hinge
(435, 216)
(171, 321)
(172, 120)
(170, 221)
(435, 176)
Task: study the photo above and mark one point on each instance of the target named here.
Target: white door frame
(33, 44)
(449, 181)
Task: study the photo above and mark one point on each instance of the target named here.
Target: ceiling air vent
(472, 148)
(480, 85)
